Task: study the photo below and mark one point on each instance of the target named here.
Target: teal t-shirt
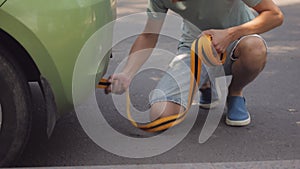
(199, 15)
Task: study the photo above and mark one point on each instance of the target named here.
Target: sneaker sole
(238, 123)
(209, 106)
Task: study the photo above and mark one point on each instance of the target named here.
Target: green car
(39, 43)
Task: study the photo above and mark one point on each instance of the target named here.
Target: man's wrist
(235, 33)
(129, 75)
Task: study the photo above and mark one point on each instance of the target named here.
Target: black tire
(15, 105)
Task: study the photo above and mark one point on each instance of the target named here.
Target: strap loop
(209, 56)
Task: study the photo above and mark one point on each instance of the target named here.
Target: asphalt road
(273, 101)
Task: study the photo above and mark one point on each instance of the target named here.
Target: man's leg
(164, 109)
(170, 96)
(251, 54)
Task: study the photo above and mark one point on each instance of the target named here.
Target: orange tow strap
(201, 50)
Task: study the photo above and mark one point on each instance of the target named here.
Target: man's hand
(269, 17)
(119, 83)
(220, 39)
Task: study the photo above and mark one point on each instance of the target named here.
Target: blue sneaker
(237, 114)
(206, 102)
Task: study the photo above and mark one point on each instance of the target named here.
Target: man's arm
(139, 53)
(143, 46)
(269, 17)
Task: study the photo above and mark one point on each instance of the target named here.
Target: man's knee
(164, 109)
(252, 52)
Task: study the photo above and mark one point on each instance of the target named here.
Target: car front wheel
(15, 106)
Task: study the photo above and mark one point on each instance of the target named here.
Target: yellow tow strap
(201, 50)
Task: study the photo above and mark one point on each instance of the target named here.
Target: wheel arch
(21, 57)
(35, 57)
(32, 49)
(36, 64)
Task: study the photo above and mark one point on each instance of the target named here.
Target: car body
(45, 39)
